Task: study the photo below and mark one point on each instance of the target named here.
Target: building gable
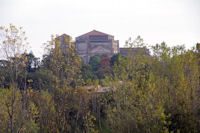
(100, 50)
(94, 33)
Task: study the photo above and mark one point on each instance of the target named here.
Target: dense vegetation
(60, 94)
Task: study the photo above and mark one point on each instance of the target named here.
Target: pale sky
(174, 21)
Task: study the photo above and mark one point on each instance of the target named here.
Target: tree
(115, 59)
(104, 68)
(13, 43)
(94, 61)
(32, 62)
(174, 70)
(87, 73)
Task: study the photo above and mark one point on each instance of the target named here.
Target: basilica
(96, 43)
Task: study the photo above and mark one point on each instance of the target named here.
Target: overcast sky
(174, 21)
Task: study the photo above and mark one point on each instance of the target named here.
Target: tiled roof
(95, 33)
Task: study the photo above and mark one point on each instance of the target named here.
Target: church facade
(96, 43)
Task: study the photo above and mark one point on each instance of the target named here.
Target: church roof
(94, 33)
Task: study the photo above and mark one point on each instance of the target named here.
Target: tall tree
(13, 43)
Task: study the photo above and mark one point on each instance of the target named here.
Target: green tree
(94, 61)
